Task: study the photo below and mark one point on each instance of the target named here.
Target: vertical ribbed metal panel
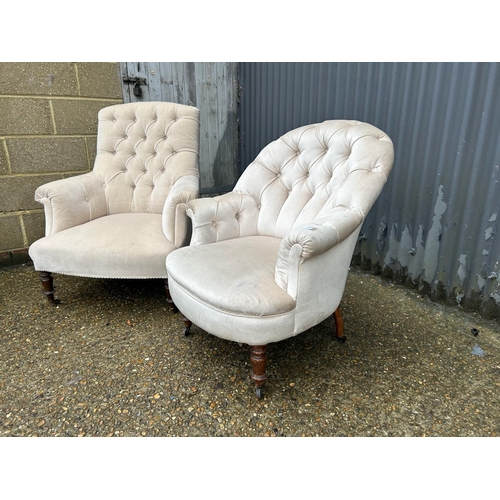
(435, 225)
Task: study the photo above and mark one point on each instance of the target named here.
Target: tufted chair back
(311, 170)
(142, 150)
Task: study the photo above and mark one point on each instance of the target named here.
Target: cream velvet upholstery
(270, 259)
(122, 219)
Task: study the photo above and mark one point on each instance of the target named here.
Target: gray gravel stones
(111, 360)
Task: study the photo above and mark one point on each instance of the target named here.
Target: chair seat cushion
(235, 276)
(130, 245)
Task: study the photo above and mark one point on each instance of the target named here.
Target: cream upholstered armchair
(270, 259)
(122, 219)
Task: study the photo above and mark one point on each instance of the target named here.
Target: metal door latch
(137, 84)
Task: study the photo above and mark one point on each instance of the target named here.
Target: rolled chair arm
(175, 222)
(308, 240)
(230, 215)
(71, 201)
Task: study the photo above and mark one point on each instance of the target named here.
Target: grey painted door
(210, 86)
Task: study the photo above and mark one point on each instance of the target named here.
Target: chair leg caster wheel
(342, 339)
(187, 331)
(259, 392)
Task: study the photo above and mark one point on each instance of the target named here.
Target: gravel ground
(111, 360)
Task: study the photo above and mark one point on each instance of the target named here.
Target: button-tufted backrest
(142, 150)
(315, 168)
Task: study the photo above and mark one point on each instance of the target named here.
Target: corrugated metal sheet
(435, 225)
(211, 87)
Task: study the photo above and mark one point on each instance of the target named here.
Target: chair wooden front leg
(258, 359)
(48, 287)
(339, 325)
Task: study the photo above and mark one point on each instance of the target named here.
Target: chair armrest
(308, 240)
(175, 222)
(231, 215)
(71, 201)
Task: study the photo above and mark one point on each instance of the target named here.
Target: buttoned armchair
(270, 259)
(123, 218)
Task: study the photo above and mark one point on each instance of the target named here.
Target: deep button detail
(214, 223)
(104, 185)
(86, 199)
(278, 175)
(258, 207)
(236, 216)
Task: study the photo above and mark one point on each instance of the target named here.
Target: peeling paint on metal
(481, 282)
(493, 218)
(416, 258)
(433, 238)
(462, 269)
(488, 233)
(381, 235)
(399, 251)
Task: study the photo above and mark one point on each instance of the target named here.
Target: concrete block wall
(48, 130)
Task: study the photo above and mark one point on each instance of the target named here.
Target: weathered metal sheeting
(211, 87)
(435, 225)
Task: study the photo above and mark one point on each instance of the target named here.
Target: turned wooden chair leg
(48, 287)
(170, 302)
(258, 359)
(339, 325)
